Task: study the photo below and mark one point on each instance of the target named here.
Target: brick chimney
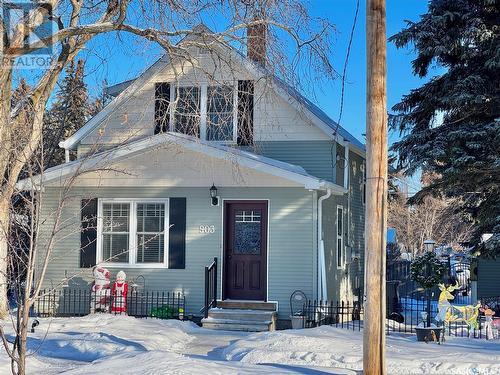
(257, 42)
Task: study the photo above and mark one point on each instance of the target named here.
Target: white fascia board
(144, 145)
(71, 142)
(309, 182)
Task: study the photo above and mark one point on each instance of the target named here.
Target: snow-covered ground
(124, 345)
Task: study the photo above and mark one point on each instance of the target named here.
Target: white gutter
(66, 155)
(321, 249)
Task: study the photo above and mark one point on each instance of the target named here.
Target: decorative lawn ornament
(100, 289)
(448, 313)
(488, 323)
(119, 292)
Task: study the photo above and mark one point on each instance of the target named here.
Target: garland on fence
(427, 270)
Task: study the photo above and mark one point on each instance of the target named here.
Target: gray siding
(292, 240)
(88, 150)
(316, 157)
(488, 279)
(342, 283)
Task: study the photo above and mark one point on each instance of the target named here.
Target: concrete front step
(240, 320)
(246, 305)
(237, 325)
(239, 314)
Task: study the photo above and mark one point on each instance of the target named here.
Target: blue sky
(399, 75)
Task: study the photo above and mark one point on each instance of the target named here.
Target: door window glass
(247, 232)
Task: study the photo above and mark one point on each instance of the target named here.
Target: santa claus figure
(119, 292)
(100, 289)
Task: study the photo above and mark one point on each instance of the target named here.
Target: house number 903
(207, 229)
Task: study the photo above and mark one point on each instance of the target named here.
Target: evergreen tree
(463, 150)
(69, 113)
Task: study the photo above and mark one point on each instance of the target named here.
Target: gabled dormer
(221, 96)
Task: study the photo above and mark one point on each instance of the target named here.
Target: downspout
(321, 248)
(66, 155)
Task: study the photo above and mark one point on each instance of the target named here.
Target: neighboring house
(289, 213)
(486, 277)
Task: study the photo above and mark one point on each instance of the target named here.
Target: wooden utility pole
(376, 190)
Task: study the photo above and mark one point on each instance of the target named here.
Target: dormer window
(209, 112)
(221, 122)
(187, 111)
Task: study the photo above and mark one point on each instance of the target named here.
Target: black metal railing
(343, 314)
(348, 315)
(210, 286)
(141, 304)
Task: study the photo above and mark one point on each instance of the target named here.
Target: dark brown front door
(245, 250)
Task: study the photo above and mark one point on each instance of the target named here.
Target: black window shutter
(162, 106)
(177, 233)
(245, 113)
(88, 234)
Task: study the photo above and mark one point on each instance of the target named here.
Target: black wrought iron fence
(343, 314)
(348, 315)
(141, 304)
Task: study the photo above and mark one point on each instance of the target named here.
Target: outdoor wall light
(429, 245)
(213, 195)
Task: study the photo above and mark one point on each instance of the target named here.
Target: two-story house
(211, 157)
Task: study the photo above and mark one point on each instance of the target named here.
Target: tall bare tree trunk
(376, 191)
(4, 225)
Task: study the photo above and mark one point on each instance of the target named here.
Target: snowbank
(124, 345)
(335, 347)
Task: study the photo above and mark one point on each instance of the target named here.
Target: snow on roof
(250, 155)
(247, 159)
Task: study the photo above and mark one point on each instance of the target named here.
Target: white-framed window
(133, 232)
(340, 237)
(205, 111)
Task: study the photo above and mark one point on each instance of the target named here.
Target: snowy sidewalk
(124, 345)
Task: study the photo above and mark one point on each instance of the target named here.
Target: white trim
(132, 233)
(256, 162)
(322, 284)
(223, 205)
(341, 237)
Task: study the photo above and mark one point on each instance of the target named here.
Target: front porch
(248, 316)
(235, 315)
